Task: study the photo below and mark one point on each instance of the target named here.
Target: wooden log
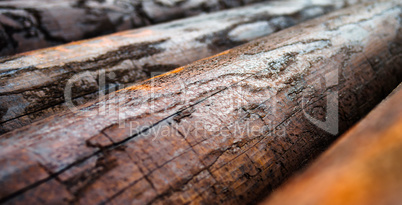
(363, 167)
(221, 130)
(37, 80)
(32, 24)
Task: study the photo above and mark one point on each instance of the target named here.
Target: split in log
(362, 168)
(33, 85)
(221, 130)
(32, 24)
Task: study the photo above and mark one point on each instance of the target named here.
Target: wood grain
(33, 84)
(32, 24)
(225, 129)
(363, 167)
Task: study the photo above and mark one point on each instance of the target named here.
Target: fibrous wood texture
(362, 168)
(37, 80)
(221, 130)
(32, 24)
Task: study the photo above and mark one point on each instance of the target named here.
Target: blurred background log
(226, 129)
(33, 84)
(32, 24)
(363, 168)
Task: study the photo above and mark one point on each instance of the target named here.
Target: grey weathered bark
(37, 80)
(32, 24)
(221, 130)
(362, 168)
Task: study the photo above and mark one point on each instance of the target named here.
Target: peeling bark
(363, 167)
(179, 138)
(33, 24)
(37, 80)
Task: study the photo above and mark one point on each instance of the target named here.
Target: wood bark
(32, 24)
(221, 130)
(37, 80)
(363, 167)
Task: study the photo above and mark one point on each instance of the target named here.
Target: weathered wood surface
(33, 84)
(221, 130)
(362, 168)
(32, 24)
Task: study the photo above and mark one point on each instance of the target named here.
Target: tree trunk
(363, 167)
(221, 130)
(37, 80)
(32, 24)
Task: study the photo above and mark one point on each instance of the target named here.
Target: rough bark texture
(221, 130)
(31, 24)
(37, 80)
(362, 168)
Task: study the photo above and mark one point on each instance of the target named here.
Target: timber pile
(225, 129)
(32, 24)
(362, 168)
(38, 80)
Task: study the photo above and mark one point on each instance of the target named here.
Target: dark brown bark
(32, 24)
(362, 168)
(37, 80)
(221, 130)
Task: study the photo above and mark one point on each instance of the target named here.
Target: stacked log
(38, 80)
(225, 129)
(32, 24)
(362, 168)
